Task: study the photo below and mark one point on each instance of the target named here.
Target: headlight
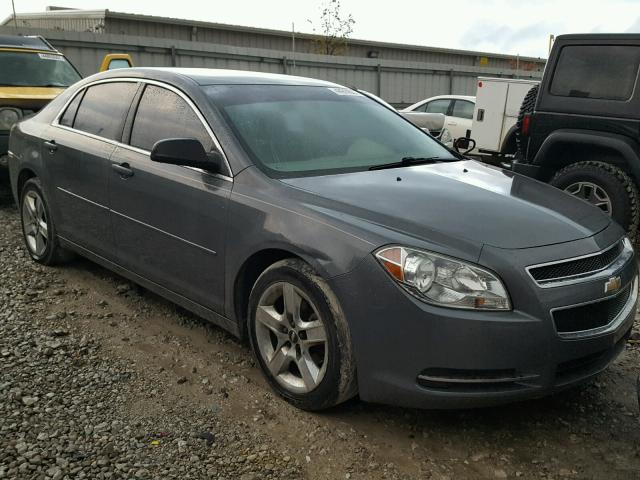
(444, 281)
(446, 138)
(9, 116)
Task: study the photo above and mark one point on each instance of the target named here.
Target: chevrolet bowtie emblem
(612, 285)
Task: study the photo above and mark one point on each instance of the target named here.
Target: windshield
(26, 69)
(301, 130)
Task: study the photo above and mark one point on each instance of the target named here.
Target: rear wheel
(605, 186)
(300, 337)
(38, 230)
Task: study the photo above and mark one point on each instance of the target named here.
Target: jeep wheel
(300, 337)
(528, 104)
(605, 186)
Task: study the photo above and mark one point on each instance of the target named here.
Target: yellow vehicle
(32, 74)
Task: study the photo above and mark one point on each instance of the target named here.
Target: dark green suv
(580, 128)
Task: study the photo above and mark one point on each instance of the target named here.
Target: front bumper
(413, 354)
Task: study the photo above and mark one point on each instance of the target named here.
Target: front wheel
(300, 337)
(605, 186)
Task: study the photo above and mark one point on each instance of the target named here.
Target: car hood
(28, 97)
(466, 200)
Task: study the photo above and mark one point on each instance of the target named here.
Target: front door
(169, 221)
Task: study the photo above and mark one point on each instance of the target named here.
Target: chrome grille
(576, 267)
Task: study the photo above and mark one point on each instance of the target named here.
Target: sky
(496, 26)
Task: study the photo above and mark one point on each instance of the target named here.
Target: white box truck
(498, 102)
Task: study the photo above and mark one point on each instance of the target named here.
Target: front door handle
(51, 145)
(123, 169)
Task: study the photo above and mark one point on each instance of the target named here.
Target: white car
(458, 110)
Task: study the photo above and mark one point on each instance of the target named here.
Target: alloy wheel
(592, 193)
(34, 223)
(291, 337)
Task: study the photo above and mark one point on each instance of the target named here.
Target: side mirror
(187, 152)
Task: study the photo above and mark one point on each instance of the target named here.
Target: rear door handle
(123, 169)
(51, 145)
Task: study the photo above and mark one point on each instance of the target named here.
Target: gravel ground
(102, 379)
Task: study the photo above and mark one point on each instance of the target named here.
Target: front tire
(300, 337)
(605, 186)
(38, 229)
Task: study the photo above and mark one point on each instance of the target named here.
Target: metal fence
(398, 82)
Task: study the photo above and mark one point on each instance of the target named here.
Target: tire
(528, 104)
(309, 362)
(620, 189)
(38, 229)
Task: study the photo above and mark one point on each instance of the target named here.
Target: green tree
(333, 29)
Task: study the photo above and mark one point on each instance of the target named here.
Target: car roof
(27, 43)
(211, 76)
(471, 98)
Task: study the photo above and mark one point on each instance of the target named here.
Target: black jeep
(580, 128)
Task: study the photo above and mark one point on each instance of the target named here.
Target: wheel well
(564, 154)
(24, 175)
(247, 276)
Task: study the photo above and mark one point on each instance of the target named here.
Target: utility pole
(293, 44)
(15, 20)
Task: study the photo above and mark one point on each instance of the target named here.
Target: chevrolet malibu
(356, 253)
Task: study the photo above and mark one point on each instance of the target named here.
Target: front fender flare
(628, 149)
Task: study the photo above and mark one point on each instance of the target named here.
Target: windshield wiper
(409, 161)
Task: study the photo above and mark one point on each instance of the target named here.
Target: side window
(603, 72)
(70, 113)
(421, 108)
(104, 108)
(438, 106)
(463, 109)
(163, 114)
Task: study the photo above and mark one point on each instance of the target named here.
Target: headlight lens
(446, 138)
(9, 116)
(444, 281)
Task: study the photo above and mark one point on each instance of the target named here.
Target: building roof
(31, 43)
(105, 14)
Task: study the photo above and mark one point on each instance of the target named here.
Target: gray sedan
(357, 254)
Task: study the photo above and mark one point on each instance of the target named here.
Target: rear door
(169, 221)
(77, 150)
(461, 118)
(491, 99)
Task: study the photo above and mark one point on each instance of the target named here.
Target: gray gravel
(66, 407)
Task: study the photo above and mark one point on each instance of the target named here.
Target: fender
(627, 148)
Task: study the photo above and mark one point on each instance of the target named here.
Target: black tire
(528, 104)
(617, 185)
(53, 253)
(338, 382)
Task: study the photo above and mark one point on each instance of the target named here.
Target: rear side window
(163, 114)
(606, 72)
(70, 113)
(438, 106)
(103, 109)
(463, 109)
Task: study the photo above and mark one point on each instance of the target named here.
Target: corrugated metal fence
(398, 82)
